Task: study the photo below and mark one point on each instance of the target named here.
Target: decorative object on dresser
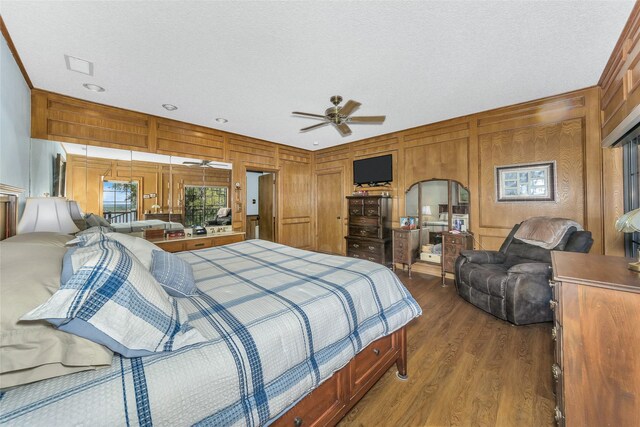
(369, 228)
(406, 248)
(512, 283)
(452, 244)
(630, 223)
(596, 313)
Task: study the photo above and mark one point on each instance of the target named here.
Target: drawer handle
(371, 258)
(376, 352)
(552, 284)
(553, 304)
(372, 248)
(556, 371)
(372, 211)
(297, 421)
(355, 245)
(554, 333)
(197, 245)
(355, 256)
(355, 211)
(363, 231)
(557, 415)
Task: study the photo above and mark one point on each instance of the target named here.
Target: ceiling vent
(79, 65)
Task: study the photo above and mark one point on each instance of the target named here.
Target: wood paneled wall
(563, 128)
(65, 119)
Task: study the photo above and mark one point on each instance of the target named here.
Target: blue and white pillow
(174, 274)
(113, 300)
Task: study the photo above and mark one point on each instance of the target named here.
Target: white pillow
(444, 216)
(141, 248)
(222, 212)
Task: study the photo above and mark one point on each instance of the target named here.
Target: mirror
(441, 205)
(134, 190)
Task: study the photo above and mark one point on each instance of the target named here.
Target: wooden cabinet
(198, 242)
(406, 247)
(596, 374)
(369, 228)
(452, 244)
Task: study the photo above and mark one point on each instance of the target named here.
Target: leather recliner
(513, 283)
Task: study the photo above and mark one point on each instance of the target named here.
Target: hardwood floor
(466, 368)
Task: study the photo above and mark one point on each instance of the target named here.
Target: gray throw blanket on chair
(544, 231)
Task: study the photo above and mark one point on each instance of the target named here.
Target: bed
(292, 337)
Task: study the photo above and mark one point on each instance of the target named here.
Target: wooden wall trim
(14, 52)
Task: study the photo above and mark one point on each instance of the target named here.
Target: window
(631, 160)
(201, 204)
(120, 201)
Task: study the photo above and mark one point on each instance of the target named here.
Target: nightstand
(406, 244)
(452, 244)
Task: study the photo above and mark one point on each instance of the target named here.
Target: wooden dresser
(452, 244)
(198, 242)
(406, 247)
(596, 303)
(369, 228)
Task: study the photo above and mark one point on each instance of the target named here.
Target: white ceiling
(256, 62)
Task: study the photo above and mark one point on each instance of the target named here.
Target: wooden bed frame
(327, 404)
(8, 210)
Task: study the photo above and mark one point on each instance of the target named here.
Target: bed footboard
(327, 404)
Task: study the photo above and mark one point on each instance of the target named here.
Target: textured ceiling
(254, 63)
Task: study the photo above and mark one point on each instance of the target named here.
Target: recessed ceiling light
(79, 65)
(221, 120)
(93, 87)
(169, 107)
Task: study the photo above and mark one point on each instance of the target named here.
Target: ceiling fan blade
(343, 129)
(314, 126)
(367, 119)
(192, 163)
(315, 116)
(349, 107)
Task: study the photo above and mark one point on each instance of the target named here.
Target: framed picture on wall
(526, 182)
(463, 196)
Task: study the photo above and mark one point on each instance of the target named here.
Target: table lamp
(630, 223)
(46, 214)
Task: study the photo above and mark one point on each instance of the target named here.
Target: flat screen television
(374, 170)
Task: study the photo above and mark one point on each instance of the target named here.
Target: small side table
(406, 245)
(452, 244)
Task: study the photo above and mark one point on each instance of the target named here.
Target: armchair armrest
(538, 268)
(484, 257)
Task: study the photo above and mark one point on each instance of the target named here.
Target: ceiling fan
(202, 164)
(340, 116)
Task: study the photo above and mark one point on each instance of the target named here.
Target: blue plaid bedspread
(279, 321)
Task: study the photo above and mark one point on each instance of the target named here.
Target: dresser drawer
(197, 244)
(363, 221)
(448, 264)
(362, 254)
(361, 245)
(319, 407)
(225, 240)
(371, 202)
(372, 210)
(453, 239)
(364, 231)
(371, 358)
(171, 246)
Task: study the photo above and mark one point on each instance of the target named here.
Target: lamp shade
(74, 210)
(426, 210)
(629, 222)
(46, 214)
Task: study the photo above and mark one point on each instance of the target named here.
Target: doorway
(329, 214)
(261, 205)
